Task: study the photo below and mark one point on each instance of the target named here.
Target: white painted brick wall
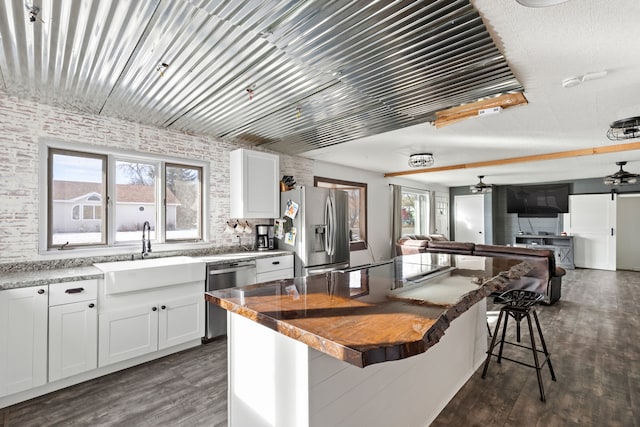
(24, 123)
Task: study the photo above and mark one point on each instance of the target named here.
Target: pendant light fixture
(621, 177)
(480, 187)
(421, 160)
(624, 129)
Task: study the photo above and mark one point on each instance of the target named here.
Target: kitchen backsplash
(23, 124)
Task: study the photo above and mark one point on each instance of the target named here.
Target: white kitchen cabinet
(127, 333)
(274, 268)
(73, 328)
(150, 321)
(180, 321)
(23, 339)
(254, 184)
(73, 339)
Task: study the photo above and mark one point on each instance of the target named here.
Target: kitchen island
(309, 351)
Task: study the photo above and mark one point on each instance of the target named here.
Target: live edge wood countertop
(381, 313)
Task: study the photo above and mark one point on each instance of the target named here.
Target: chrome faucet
(146, 239)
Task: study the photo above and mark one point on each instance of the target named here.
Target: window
(357, 208)
(415, 211)
(183, 202)
(135, 188)
(89, 206)
(75, 181)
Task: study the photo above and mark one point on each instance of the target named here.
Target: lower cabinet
(274, 268)
(143, 329)
(127, 333)
(73, 328)
(73, 339)
(23, 339)
(181, 321)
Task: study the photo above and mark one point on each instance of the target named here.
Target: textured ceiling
(320, 72)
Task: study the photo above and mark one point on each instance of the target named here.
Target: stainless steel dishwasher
(223, 276)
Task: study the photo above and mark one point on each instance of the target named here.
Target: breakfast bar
(389, 344)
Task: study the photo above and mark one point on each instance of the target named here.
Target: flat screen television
(540, 201)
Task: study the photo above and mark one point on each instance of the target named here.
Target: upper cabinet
(254, 184)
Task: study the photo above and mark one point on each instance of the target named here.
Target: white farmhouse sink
(131, 276)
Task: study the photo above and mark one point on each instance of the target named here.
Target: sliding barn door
(628, 236)
(593, 225)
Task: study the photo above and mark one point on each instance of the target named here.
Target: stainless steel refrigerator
(321, 229)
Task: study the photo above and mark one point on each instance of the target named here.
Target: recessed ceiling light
(540, 3)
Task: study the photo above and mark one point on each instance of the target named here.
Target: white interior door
(469, 218)
(628, 236)
(593, 225)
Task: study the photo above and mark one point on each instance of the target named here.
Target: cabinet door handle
(275, 262)
(41, 291)
(154, 308)
(74, 291)
(163, 307)
(92, 305)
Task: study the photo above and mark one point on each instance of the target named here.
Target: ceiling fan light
(480, 187)
(421, 160)
(621, 177)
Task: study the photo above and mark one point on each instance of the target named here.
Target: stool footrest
(519, 362)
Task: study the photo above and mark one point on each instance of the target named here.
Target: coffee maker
(263, 241)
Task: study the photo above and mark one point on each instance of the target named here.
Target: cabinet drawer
(283, 262)
(274, 275)
(69, 292)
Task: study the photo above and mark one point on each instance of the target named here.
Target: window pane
(357, 207)
(87, 212)
(409, 214)
(415, 213)
(74, 179)
(135, 199)
(183, 208)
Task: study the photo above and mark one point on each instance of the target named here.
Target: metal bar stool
(519, 304)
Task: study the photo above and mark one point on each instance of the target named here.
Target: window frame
(425, 217)
(51, 151)
(201, 197)
(111, 156)
(113, 218)
(356, 245)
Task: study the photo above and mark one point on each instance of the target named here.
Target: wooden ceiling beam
(466, 111)
(523, 159)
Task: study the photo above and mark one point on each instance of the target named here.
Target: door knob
(163, 307)
(41, 291)
(154, 308)
(92, 305)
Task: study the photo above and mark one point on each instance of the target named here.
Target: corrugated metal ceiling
(322, 72)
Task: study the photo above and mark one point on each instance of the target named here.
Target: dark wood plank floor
(593, 334)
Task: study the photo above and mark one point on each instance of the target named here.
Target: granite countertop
(23, 279)
(56, 271)
(371, 315)
(241, 256)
